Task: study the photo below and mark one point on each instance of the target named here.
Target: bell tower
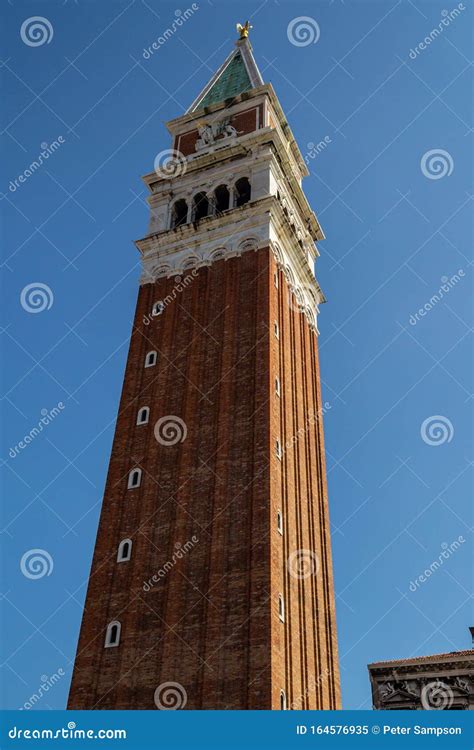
(211, 584)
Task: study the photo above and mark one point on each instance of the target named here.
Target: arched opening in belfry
(221, 199)
(242, 191)
(200, 206)
(179, 213)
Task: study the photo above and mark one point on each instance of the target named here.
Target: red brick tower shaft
(211, 584)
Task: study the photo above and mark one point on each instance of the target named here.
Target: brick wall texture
(203, 521)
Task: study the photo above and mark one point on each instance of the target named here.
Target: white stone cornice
(258, 224)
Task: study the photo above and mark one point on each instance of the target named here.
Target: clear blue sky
(392, 234)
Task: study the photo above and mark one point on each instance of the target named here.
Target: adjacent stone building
(211, 584)
(436, 682)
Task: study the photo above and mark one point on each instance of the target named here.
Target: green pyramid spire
(233, 80)
(239, 73)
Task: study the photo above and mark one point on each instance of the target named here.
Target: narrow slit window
(282, 700)
(112, 636)
(134, 478)
(280, 522)
(281, 608)
(143, 415)
(278, 450)
(276, 330)
(124, 550)
(277, 386)
(275, 279)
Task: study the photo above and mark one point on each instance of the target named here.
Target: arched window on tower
(221, 199)
(150, 359)
(143, 414)
(200, 206)
(124, 552)
(179, 213)
(112, 636)
(282, 700)
(134, 479)
(242, 191)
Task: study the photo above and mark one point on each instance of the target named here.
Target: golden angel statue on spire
(244, 30)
